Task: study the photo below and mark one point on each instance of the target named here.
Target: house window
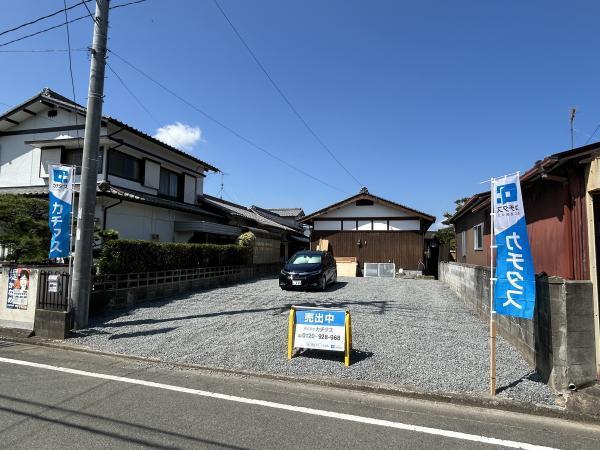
(463, 243)
(478, 237)
(74, 157)
(124, 166)
(170, 184)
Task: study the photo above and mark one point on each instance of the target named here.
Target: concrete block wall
(558, 342)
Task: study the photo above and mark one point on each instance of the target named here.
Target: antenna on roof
(364, 190)
(572, 113)
(222, 184)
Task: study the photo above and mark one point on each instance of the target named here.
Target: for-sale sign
(320, 329)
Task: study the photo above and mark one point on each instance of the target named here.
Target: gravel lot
(414, 333)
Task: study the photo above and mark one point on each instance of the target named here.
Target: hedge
(125, 256)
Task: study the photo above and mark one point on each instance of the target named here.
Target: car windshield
(306, 259)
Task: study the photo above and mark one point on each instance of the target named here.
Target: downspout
(106, 208)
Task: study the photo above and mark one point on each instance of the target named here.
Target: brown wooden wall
(404, 248)
(556, 225)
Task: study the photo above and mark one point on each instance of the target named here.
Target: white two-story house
(146, 190)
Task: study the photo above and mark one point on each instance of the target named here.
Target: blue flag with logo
(59, 215)
(514, 293)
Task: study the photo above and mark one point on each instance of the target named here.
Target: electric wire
(138, 101)
(45, 30)
(43, 17)
(71, 62)
(224, 126)
(592, 135)
(47, 50)
(283, 96)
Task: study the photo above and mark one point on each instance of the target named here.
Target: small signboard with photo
(18, 288)
(320, 329)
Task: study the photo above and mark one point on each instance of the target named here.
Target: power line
(71, 60)
(139, 102)
(64, 23)
(592, 135)
(283, 96)
(48, 50)
(224, 126)
(127, 4)
(43, 17)
(43, 31)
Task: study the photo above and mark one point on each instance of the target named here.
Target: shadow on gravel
(336, 286)
(531, 376)
(142, 333)
(380, 306)
(101, 321)
(355, 357)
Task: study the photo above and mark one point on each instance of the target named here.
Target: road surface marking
(283, 406)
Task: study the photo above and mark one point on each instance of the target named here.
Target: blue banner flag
(514, 292)
(59, 215)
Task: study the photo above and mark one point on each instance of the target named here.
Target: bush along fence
(122, 256)
(134, 271)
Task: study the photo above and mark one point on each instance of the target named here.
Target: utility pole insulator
(82, 265)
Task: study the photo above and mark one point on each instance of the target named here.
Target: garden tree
(24, 228)
(447, 235)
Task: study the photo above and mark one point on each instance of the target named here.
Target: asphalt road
(52, 398)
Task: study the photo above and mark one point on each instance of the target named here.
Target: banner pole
(492, 340)
(69, 300)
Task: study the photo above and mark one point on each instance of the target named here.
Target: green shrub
(24, 228)
(247, 239)
(125, 256)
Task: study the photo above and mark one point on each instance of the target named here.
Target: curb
(352, 385)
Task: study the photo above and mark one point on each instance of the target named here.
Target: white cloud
(179, 135)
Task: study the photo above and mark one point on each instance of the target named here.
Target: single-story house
(561, 199)
(372, 230)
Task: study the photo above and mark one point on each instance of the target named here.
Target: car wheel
(323, 283)
(334, 278)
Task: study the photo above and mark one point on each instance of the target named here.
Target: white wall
(18, 318)
(19, 162)
(323, 225)
(349, 224)
(375, 210)
(365, 225)
(405, 225)
(139, 221)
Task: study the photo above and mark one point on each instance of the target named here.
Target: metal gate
(53, 290)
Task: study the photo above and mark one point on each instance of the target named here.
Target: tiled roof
(364, 194)
(112, 191)
(54, 97)
(287, 212)
(246, 213)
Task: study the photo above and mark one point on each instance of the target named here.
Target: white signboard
(321, 329)
(52, 283)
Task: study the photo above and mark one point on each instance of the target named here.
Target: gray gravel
(413, 333)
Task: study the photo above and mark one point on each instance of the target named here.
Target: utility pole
(82, 268)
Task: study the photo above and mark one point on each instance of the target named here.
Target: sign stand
(347, 332)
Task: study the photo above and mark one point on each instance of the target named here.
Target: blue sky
(421, 101)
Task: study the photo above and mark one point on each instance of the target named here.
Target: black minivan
(308, 269)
